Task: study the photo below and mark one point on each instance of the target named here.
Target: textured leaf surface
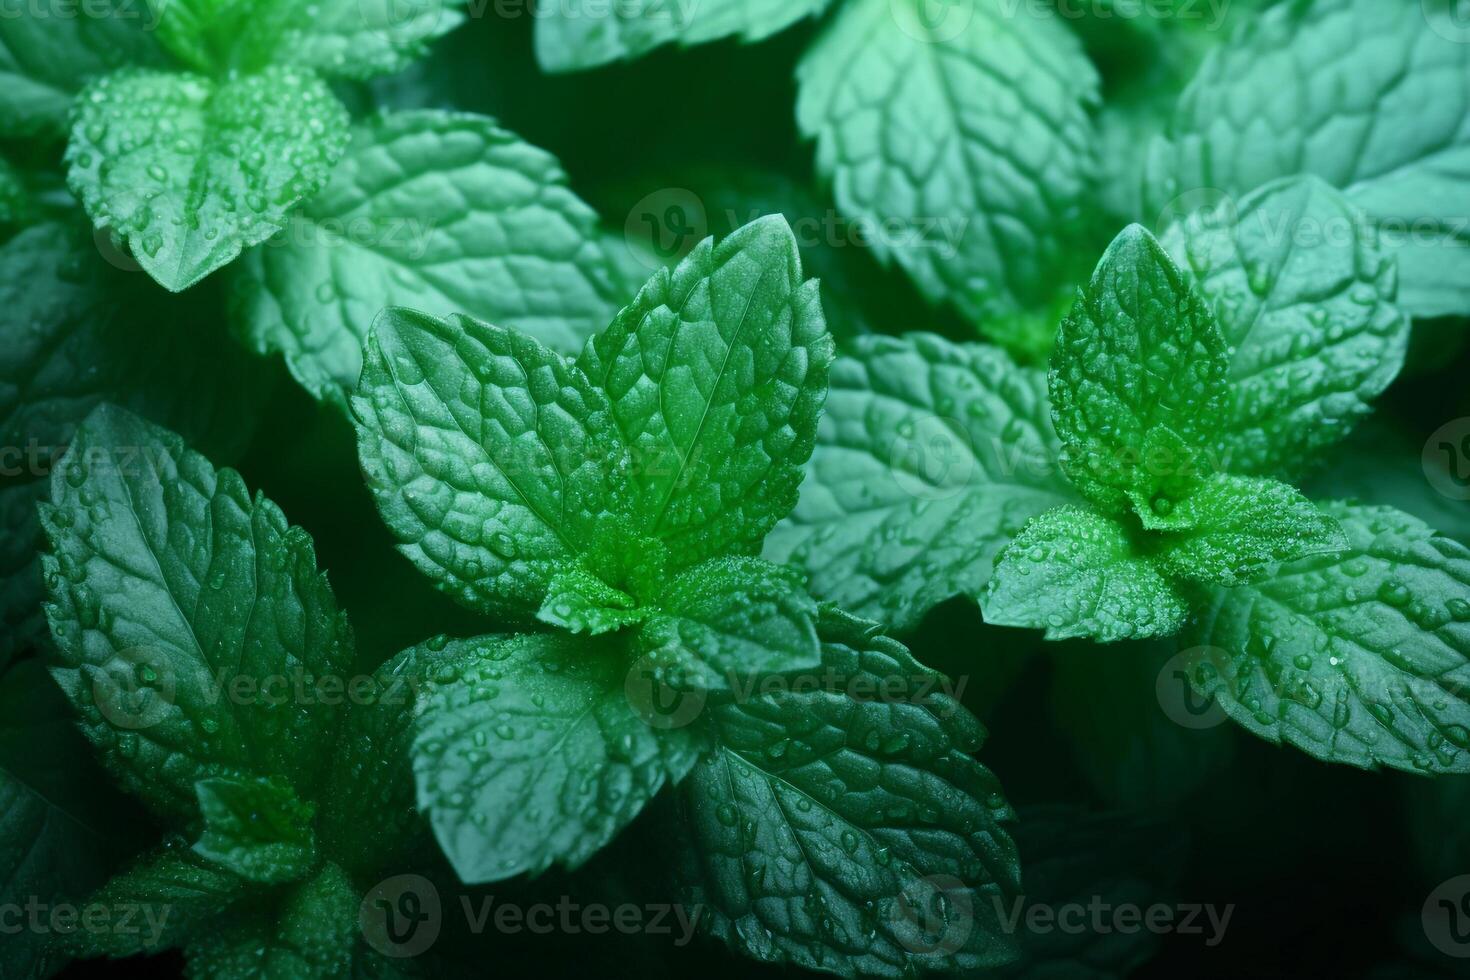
(580, 602)
(45, 58)
(1359, 658)
(167, 580)
(1234, 528)
(529, 752)
(490, 456)
(176, 892)
(1075, 573)
(968, 132)
(189, 172)
(1304, 297)
(1371, 96)
(75, 332)
(930, 457)
(851, 835)
(348, 38)
(439, 212)
(1138, 380)
(258, 829)
(734, 618)
(585, 33)
(309, 931)
(717, 373)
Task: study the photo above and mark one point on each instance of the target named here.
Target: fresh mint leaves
(155, 628)
(618, 500)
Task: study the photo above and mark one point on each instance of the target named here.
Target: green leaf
(189, 172)
(310, 931)
(930, 457)
(371, 770)
(256, 828)
(490, 456)
(963, 141)
(1138, 380)
(45, 58)
(580, 602)
(344, 38)
(1353, 91)
(1361, 658)
(169, 585)
(734, 618)
(437, 211)
(581, 34)
(1076, 573)
(77, 332)
(1233, 528)
(848, 832)
(1304, 297)
(177, 894)
(717, 373)
(531, 752)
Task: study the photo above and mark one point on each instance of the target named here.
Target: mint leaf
(490, 456)
(77, 332)
(437, 211)
(346, 38)
(1304, 297)
(580, 602)
(851, 834)
(46, 57)
(1302, 81)
(310, 931)
(530, 752)
(1359, 658)
(1076, 573)
(177, 894)
(581, 34)
(167, 580)
(256, 828)
(968, 132)
(716, 374)
(1237, 527)
(188, 172)
(370, 772)
(930, 457)
(734, 618)
(1138, 380)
